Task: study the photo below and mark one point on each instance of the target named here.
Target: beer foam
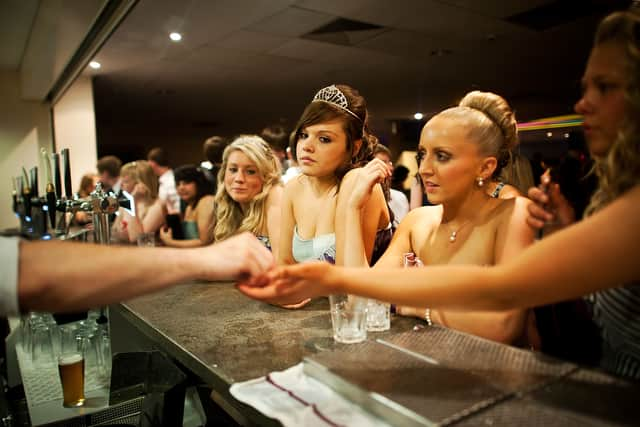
(69, 359)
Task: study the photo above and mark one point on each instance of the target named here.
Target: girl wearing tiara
(331, 140)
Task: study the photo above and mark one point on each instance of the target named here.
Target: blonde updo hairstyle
(490, 122)
(229, 217)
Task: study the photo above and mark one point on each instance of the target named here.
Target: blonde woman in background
(136, 178)
(249, 192)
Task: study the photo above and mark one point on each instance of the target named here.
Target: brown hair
(276, 136)
(213, 148)
(355, 126)
(109, 164)
(158, 155)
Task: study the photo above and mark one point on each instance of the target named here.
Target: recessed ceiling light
(95, 65)
(418, 116)
(176, 37)
(566, 135)
(549, 134)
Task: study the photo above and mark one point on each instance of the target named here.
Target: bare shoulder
(509, 192)
(294, 187)
(425, 215)
(206, 201)
(275, 194)
(507, 208)
(350, 179)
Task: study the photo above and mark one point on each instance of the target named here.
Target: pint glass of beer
(71, 368)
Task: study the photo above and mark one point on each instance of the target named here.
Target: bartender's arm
(66, 276)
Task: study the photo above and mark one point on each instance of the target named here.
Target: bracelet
(427, 317)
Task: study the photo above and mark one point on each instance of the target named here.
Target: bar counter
(223, 337)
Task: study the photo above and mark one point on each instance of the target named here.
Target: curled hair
(356, 127)
(491, 122)
(140, 171)
(619, 170)
(195, 174)
(229, 216)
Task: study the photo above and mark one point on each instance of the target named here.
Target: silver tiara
(333, 95)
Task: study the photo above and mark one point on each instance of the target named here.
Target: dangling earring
(480, 181)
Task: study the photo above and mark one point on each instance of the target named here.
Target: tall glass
(71, 368)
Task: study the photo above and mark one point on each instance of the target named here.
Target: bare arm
(204, 219)
(358, 214)
(586, 257)
(416, 194)
(51, 279)
(287, 222)
(274, 208)
(155, 217)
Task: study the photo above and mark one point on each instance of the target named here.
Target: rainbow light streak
(571, 120)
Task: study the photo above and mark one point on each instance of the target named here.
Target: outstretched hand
(289, 284)
(241, 257)
(375, 172)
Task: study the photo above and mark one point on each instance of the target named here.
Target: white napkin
(295, 399)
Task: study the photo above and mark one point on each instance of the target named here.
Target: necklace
(453, 235)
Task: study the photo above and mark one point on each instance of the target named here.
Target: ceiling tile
(292, 22)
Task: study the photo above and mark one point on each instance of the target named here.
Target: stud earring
(480, 181)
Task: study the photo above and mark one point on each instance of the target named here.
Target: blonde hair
(491, 122)
(140, 171)
(229, 216)
(518, 173)
(619, 170)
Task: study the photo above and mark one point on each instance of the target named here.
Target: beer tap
(26, 195)
(50, 190)
(67, 173)
(56, 171)
(14, 194)
(103, 204)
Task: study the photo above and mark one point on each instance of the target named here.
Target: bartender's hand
(241, 257)
(551, 209)
(290, 284)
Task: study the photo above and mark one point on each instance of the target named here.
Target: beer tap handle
(26, 194)
(67, 173)
(34, 182)
(14, 194)
(56, 171)
(50, 190)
